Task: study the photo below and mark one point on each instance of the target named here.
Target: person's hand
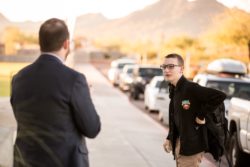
(200, 121)
(167, 146)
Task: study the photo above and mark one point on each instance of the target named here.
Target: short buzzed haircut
(178, 57)
(52, 35)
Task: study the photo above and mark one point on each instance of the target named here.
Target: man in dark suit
(52, 106)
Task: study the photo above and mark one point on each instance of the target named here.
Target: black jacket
(54, 113)
(190, 100)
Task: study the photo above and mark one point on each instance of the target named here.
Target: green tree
(184, 45)
(229, 35)
(181, 42)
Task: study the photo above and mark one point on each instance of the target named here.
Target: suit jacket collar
(49, 57)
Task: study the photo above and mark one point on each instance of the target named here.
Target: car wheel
(131, 95)
(236, 156)
(135, 94)
(160, 116)
(151, 110)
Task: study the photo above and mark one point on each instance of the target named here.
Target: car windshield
(232, 89)
(150, 72)
(120, 66)
(129, 71)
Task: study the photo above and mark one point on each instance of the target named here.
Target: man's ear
(66, 44)
(182, 68)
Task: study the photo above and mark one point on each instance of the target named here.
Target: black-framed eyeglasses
(168, 66)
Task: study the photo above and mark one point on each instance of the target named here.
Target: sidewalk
(128, 138)
(7, 132)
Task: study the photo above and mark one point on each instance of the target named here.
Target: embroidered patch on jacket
(185, 104)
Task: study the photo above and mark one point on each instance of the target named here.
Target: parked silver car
(116, 67)
(125, 78)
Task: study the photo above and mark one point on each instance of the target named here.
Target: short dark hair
(178, 57)
(52, 35)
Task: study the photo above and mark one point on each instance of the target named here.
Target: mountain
(28, 27)
(87, 22)
(164, 18)
(84, 23)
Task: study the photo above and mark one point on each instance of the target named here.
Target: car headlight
(128, 80)
(141, 80)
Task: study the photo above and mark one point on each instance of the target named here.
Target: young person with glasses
(189, 104)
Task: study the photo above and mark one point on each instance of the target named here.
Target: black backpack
(216, 132)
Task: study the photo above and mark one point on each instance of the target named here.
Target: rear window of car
(232, 89)
(150, 72)
(120, 66)
(130, 70)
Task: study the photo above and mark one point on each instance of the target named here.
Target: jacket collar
(180, 83)
(49, 57)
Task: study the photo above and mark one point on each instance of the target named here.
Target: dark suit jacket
(54, 113)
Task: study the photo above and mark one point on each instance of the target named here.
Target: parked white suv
(152, 91)
(238, 146)
(226, 75)
(231, 86)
